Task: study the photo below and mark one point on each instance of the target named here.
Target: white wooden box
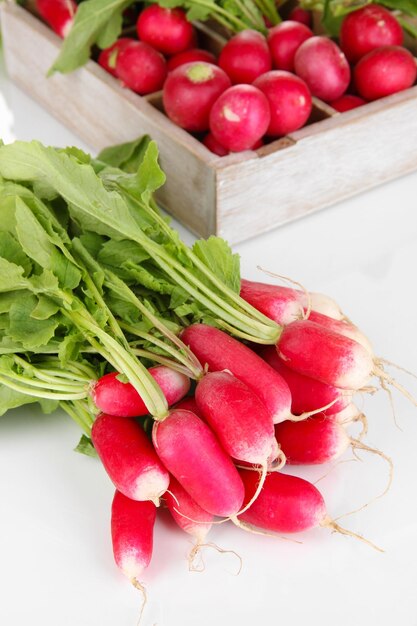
(237, 196)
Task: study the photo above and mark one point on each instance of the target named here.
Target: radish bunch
(126, 335)
(218, 451)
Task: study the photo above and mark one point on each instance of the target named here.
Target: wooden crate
(237, 196)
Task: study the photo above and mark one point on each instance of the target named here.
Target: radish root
(307, 414)
(256, 531)
(262, 477)
(329, 523)
(197, 551)
(356, 444)
(332, 468)
(137, 585)
(387, 379)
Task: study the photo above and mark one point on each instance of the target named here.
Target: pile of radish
(261, 86)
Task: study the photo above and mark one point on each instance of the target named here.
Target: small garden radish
(129, 458)
(343, 327)
(190, 56)
(141, 68)
(190, 92)
(59, 14)
(221, 352)
(284, 304)
(108, 57)
(132, 525)
(284, 40)
(166, 30)
(237, 416)
(323, 66)
(215, 146)
(316, 351)
(347, 102)
(240, 117)
(313, 441)
(289, 101)
(193, 455)
(245, 57)
(297, 14)
(385, 71)
(368, 28)
(288, 504)
(307, 394)
(189, 516)
(115, 397)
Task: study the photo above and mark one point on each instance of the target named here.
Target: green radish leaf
(126, 156)
(96, 21)
(216, 254)
(30, 332)
(150, 177)
(116, 253)
(12, 251)
(11, 276)
(409, 7)
(11, 399)
(80, 155)
(44, 309)
(85, 446)
(70, 346)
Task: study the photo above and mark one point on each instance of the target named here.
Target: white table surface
(56, 566)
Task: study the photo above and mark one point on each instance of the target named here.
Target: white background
(56, 566)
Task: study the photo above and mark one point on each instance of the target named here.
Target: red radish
(343, 327)
(286, 504)
(284, 304)
(301, 15)
(237, 416)
(129, 458)
(132, 525)
(166, 30)
(284, 40)
(214, 146)
(245, 57)
(141, 68)
(189, 516)
(188, 404)
(190, 92)
(323, 66)
(221, 352)
(322, 304)
(193, 455)
(307, 393)
(108, 57)
(385, 71)
(190, 56)
(115, 397)
(281, 304)
(59, 14)
(369, 28)
(347, 415)
(321, 353)
(313, 441)
(347, 102)
(239, 117)
(289, 100)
